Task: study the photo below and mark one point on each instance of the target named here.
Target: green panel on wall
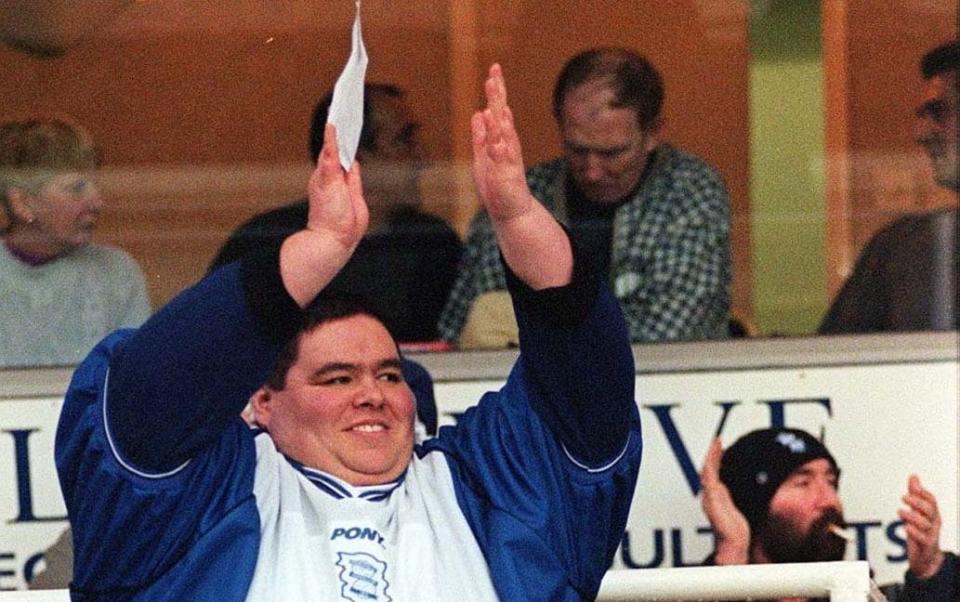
(787, 188)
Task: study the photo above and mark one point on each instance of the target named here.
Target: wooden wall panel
(202, 107)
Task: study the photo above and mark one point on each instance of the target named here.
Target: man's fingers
(928, 499)
(711, 464)
(354, 181)
(497, 71)
(480, 158)
(510, 137)
(916, 489)
(500, 137)
(916, 520)
(479, 141)
(494, 143)
(492, 92)
(355, 189)
(509, 127)
(922, 538)
(925, 505)
(479, 131)
(328, 162)
(329, 149)
(496, 92)
(355, 169)
(496, 88)
(715, 451)
(492, 127)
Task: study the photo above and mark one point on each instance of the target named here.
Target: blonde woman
(61, 293)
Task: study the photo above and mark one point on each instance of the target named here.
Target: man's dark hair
(368, 135)
(636, 83)
(323, 310)
(942, 59)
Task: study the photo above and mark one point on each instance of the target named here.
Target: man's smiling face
(345, 408)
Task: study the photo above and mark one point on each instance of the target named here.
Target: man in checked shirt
(654, 218)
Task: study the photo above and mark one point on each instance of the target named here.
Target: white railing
(842, 581)
(40, 595)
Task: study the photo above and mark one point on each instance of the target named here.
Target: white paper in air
(346, 110)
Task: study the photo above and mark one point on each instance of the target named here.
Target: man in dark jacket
(406, 264)
(906, 277)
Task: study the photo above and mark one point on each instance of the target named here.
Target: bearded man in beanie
(772, 497)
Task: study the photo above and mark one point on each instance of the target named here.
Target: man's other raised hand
(533, 244)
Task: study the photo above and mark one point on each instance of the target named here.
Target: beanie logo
(792, 442)
(762, 477)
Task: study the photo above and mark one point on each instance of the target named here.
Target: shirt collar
(340, 489)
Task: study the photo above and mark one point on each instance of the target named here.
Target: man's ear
(653, 134)
(261, 402)
(20, 207)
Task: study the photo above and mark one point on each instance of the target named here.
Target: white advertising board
(882, 420)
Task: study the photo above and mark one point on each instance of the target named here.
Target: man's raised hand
(498, 170)
(731, 531)
(532, 242)
(921, 520)
(336, 222)
(337, 207)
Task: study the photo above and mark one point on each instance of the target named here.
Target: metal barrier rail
(842, 581)
(47, 595)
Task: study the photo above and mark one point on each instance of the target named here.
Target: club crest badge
(362, 578)
(792, 442)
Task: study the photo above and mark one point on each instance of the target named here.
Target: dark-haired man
(173, 497)
(407, 262)
(906, 278)
(655, 219)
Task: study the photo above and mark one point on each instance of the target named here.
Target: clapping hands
(921, 520)
(730, 528)
(337, 207)
(498, 170)
(336, 222)
(532, 242)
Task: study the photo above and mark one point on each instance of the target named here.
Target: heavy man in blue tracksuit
(172, 497)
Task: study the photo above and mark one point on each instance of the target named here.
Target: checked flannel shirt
(670, 253)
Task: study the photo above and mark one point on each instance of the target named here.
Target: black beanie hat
(756, 464)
